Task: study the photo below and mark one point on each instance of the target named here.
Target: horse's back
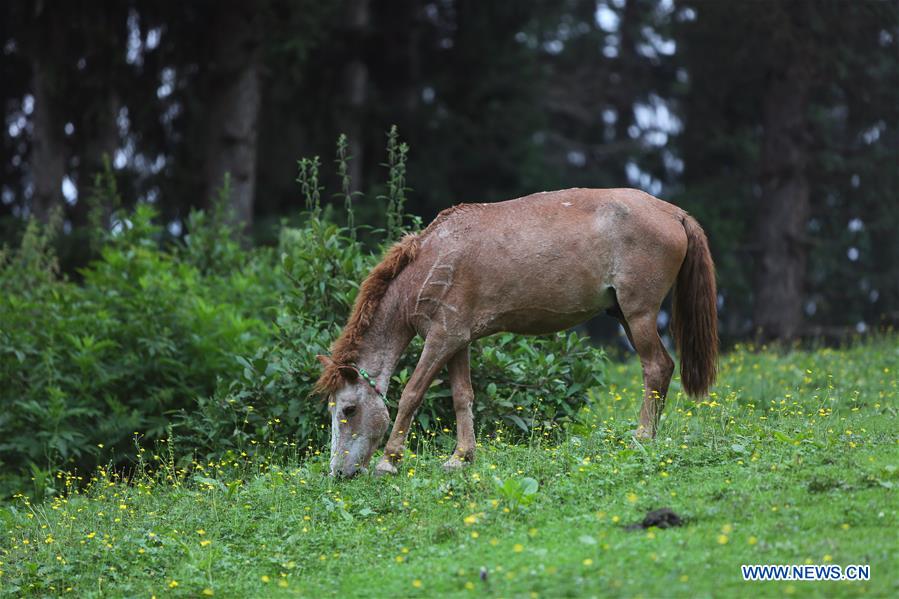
(554, 221)
(550, 260)
(570, 206)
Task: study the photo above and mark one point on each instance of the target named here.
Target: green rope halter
(372, 383)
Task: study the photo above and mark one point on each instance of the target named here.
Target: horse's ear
(325, 361)
(348, 372)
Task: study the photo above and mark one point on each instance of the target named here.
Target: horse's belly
(544, 314)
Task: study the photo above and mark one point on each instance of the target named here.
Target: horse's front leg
(463, 398)
(437, 351)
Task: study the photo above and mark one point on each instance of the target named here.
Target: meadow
(793, 459)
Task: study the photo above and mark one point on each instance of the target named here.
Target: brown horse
(534, 265)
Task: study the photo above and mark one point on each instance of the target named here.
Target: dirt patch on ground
(660, 518)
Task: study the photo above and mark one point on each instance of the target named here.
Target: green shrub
(267, 399)
(84, 366)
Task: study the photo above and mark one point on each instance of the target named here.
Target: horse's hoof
(453, 464)
(643, 434)
(385, 467)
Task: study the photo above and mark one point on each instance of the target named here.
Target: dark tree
(774, 123)
(234, 94)
(784, 209)
(355, 86)
(44, 43)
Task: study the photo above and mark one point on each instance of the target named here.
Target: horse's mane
(345, 350)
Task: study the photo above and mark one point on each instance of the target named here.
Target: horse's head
(359, 419)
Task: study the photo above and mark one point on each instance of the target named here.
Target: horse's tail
(695, 320)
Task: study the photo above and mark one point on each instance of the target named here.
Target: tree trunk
(48, 157)
(625, 69)
(235, 96)
(413, 60)
(355, 82)
(784, 204)
(100, 121)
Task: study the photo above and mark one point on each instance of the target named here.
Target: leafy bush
(84, 366)
(268, 397)
(217, 342)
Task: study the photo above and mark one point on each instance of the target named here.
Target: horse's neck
(386, 339)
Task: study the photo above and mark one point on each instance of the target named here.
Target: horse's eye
(349, 411)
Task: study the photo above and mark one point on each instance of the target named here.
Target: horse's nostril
(349, 411)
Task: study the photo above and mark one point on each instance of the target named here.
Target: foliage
(792, 461)
(267, 396)
(145, 333)
(342, 161)
(309, 184)
(397, 152)
(517, 492)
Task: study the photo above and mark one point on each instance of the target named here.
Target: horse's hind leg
(657, 367)
(463, 398)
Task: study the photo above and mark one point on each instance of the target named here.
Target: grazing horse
(533, 265)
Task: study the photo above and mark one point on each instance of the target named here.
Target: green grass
(794, 459)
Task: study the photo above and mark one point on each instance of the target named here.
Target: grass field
(793, 460)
